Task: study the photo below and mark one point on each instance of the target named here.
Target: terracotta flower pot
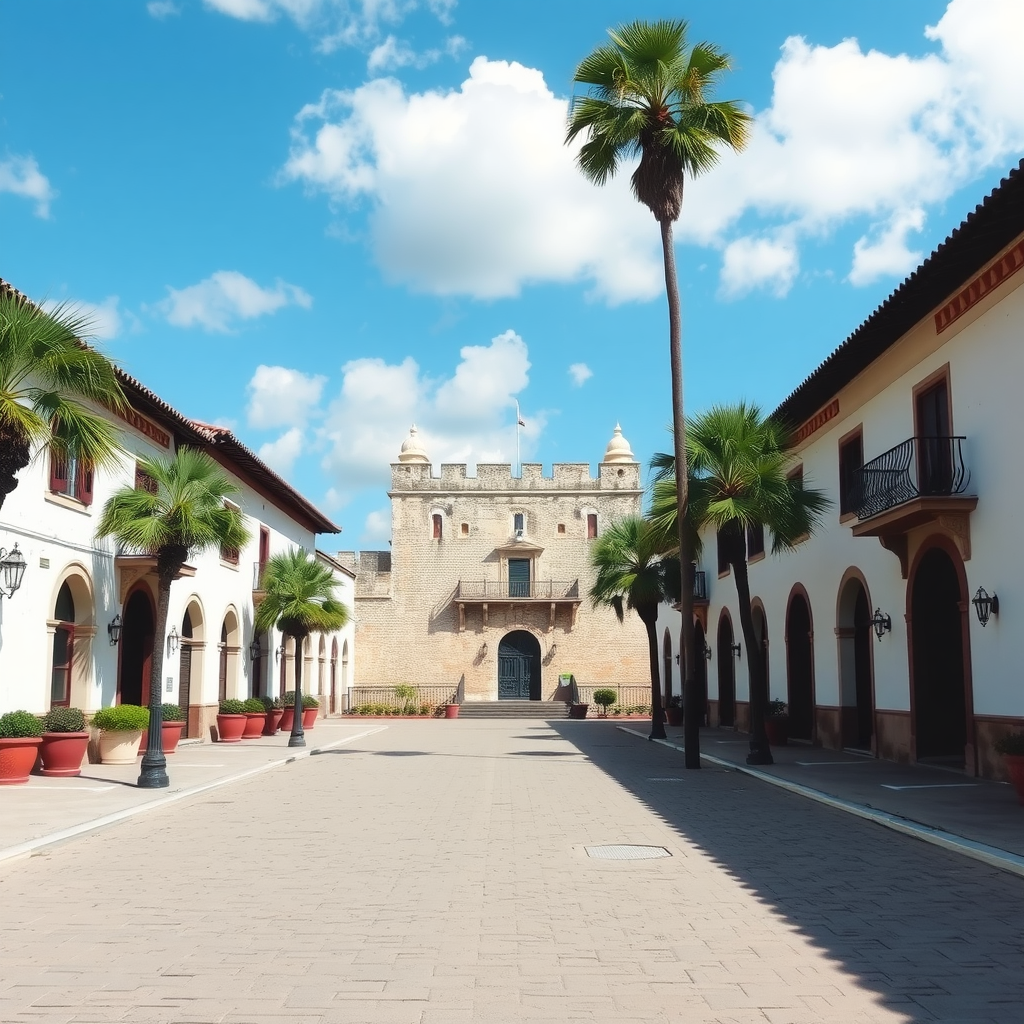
(273, 722)
(1015, 769)
(119, 747)
(674, 716)
(309, 717)
(287, 717)
(18, 758)
(170, 734)
(230, 728)
(777, 730)
(451, 711)
(254, 723)
(62, 753)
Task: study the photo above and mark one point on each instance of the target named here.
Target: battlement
(497, 478)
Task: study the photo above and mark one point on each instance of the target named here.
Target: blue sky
(317, 221)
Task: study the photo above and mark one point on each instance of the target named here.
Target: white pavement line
(991, 855)
(828, 764)
(941, 785)
(29, 847)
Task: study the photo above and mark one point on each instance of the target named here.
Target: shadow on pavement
(935, 935)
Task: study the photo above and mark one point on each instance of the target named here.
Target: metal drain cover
(626, 852)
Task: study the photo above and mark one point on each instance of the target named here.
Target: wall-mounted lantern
(12, 570)
(173, 640)
(985, 605)
(881, 623)
(736, 649)
(114, 630)
(255, 651)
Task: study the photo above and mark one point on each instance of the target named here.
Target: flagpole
(519, 420)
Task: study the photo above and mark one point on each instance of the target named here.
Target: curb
(990, 855)
(26, 849)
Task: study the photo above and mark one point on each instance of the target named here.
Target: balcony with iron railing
(700, 587)
(258, 589)
(485, 594)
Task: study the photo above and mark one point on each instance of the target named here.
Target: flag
(521, 421)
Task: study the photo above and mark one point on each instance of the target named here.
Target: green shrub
(232, 707)
(63, 720)
(254, 706)
(20, 725)
(308, 701)
(271, 703)
(1012, 744)
(289, 699)
(172, 713)
(426, 708)
(605, 698)
(121, 718)
(408, 699)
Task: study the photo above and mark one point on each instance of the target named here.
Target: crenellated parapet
(497, 478)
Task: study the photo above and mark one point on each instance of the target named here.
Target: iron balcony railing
(919, 467)
(257, 575)
(517, 590)
(700, 585)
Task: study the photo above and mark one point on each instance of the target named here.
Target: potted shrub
(171, 725)
(21, 734)
(231, 721)
(674, 711)
(121, 728)
(255, 718)
(1012, 749)
(578, 710)
(451, 710)
(65, 742)
(776, 723)
(310, 707)
(274, 710)
(604, 699)
(288, 711)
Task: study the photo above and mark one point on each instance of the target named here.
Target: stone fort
(486, 586)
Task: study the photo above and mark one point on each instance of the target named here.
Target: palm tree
(181, 513)
(46, 373)
(299, 600)
(738, 462)
(648, 98)
(633, 573)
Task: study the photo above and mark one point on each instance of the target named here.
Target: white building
(56, 631)
(913, 428)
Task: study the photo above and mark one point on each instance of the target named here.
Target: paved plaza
(438, 873)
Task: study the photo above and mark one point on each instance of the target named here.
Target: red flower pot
(230, 728)
(254, 723)
(61, 753)
(674, 716)
(309, 717)
(273, 722)
(287, 719)
(451, 711)
(777, 730)
(170, 734)
(1015, 769)
(18, 758)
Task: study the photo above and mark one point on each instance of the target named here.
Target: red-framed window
(70, 476)
(436, 525)
(591, 525)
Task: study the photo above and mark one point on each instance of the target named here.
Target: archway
(856, 688)
(939, 691)
(666, 671)
(63, 647)
(137, 628)
(71, 629)
(761, 632)
(800, 667)
(700, 668)
(190, 663)
(519, 666)
(726, 674)
(346, 679)
(229, 650)
(321, 668)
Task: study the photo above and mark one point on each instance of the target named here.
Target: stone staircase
(514, 709)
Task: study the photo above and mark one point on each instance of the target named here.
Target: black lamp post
(298, 733)
(881, 623)
(985, 605)
(12, 568)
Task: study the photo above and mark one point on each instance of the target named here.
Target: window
(143, 481)
(63, 648)
(228, 554)
(851, 459)
(561, 529)
(464, 530)
(519, 523)
(755, 541)
(933, 426)
(436, 527)
(518, 577)
(70, 477)
(591, 525)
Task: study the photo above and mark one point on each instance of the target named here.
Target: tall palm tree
(46, 373)
(649, 98)
(300, 599)
(632, 573)
(738, 462)
(182, 513)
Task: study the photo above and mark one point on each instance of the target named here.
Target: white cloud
(468, 416)
(103, 321)
(750, 264)
(377, 528)
(280, 455)
(224, 298)
(279, 397)
(161, 9)
(20, 175)
(887, 254)
(472, 190)
(395, 53)
(580, 373)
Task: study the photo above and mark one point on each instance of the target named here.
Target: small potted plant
(604, 699)
(674, 711)
(21, 734)
(121, 728)
(274, 710)
(287, 710)
(776, 723)
(1011, 747)
(231, 721)
(310, 709)
(171, 726)
(255, 718)
(65, 742)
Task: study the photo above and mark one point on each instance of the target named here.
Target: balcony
(485, 593)
(258, 590)
(700, 587)
(922, 480)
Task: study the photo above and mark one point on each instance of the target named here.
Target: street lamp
(881, 622)
(255, 651)
(12, 570)
(114, 630)
(173, 640)
(736, 649)
(985, 605)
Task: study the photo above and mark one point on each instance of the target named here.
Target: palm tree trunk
(650, 621)
(760, 752)
(692, 713)
(153, 774)
(298, 733)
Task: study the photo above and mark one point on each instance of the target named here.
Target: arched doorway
(761, 632)
(137, 628)
(666, 672)
(227, 673)
(185, 667)
(519, 666)
(938, 609)
(321, 668)
(63, 647)
(190, 664)
(800, 667)
(856, 689)
(726, 674)
(71, 628)
(346, 679)
(700, 669)
(334, 676)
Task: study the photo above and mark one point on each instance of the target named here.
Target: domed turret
(411, 451)
(618, 449)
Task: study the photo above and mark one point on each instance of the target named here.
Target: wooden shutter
(58, 472)
(85, 475)
(518, 577)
